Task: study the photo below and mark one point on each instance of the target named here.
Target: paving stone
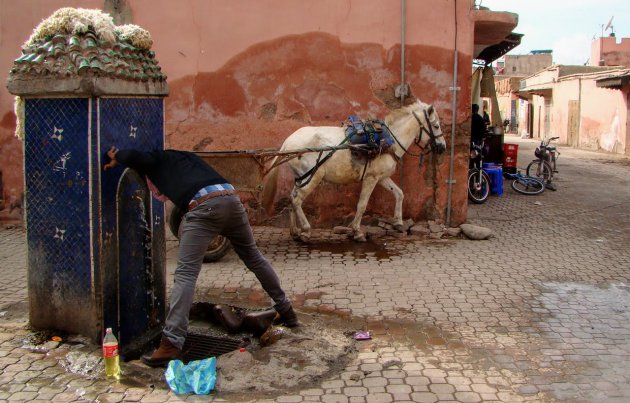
(290, 399)
(398, 389)
(355, 391)
(379, 398)
(424, 397)
(336, 398)
(371, 382)
(468, 397)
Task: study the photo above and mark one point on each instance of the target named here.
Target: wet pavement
(539, 312)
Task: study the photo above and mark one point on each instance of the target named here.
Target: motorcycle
(478, 179)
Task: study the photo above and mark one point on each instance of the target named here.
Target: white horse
(416, 123)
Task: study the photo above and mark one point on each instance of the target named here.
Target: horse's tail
(270, 187)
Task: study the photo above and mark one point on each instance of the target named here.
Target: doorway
(573, 123)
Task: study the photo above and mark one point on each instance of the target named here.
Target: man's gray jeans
(223, 215)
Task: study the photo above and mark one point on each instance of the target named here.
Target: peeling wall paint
(271, 89)
(245, 74)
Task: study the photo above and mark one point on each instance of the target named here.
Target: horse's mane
(403, 111)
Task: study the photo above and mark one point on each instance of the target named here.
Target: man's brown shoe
(165, 353)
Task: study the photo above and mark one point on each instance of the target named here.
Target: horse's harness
(308, 175)
(432, 137)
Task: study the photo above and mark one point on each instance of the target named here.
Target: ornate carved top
(86, 63)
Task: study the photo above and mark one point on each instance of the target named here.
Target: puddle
(321, 349)
(592, 320)
(84, 364)
(297, 358)
(355, 250)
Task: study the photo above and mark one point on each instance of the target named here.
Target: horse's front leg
(366, 191)
(389, 184)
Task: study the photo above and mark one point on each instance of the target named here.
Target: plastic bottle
(110, 354)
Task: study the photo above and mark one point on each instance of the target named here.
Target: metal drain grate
(200, 346)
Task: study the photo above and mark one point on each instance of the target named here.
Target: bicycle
(545, 165)
(478, 179)
(527, 185)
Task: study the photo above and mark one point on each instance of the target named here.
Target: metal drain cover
(201, 346)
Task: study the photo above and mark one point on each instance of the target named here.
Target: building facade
(245, 74)
(510, 71)
(566, 101)
(609, 51)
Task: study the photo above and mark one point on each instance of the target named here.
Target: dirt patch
(300, 358)
(294, 359)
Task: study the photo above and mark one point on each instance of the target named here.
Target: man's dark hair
(475, 108)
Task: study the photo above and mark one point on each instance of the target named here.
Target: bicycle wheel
(528, 186)
(478, 186)
(540, 169)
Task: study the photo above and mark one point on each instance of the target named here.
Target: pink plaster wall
(603, 114)
(610, 51)
(245, 74)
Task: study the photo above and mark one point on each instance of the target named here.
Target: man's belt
(210, 192)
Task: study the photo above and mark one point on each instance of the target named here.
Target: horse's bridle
(429, 131)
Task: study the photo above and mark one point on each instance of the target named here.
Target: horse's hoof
(304, 238)
(360, 238)
(399, 227)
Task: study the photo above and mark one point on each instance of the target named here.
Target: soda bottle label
(110, 350)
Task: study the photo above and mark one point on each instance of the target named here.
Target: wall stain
(260, 96)
(8, 121)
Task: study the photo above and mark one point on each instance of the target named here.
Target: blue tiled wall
(95, 239)
(56, 172)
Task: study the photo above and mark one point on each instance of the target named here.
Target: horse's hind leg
(303, 230)
(293, 227)
(366, 191)
(389, 184)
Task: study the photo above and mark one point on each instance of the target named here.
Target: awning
(614, 82)
(493, 52)
(528, 93)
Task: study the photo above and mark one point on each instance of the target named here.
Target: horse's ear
(430, 110)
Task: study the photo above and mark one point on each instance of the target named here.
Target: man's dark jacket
(478, 128)
(179, 175)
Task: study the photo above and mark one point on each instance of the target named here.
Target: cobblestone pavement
(540, 312)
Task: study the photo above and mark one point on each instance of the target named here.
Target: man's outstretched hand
(112, 158)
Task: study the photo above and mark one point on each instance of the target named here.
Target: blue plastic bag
(196, 377)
